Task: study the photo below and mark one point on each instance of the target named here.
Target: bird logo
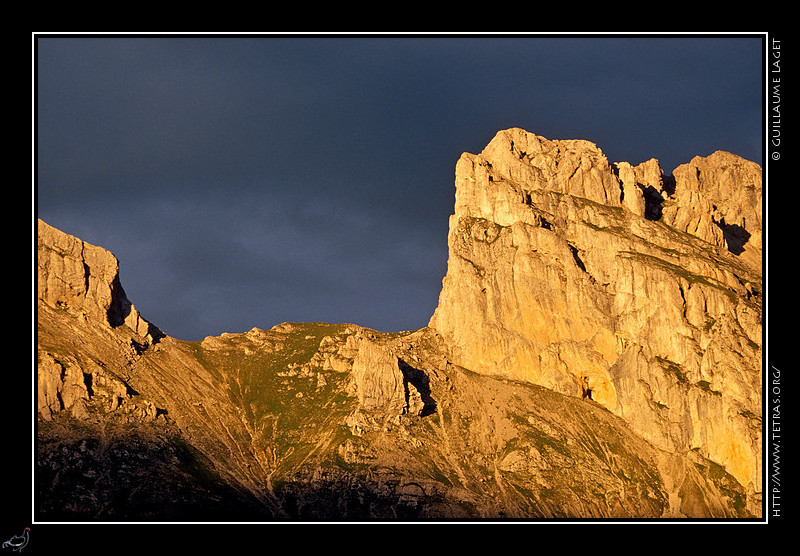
(18, 542)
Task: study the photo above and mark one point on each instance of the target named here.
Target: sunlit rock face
(617, 282)
(73, 274)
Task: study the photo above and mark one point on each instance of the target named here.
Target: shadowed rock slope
(479, 415)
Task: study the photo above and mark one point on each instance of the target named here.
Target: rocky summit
(596, 352)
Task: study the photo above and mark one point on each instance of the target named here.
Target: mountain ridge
(318, 421)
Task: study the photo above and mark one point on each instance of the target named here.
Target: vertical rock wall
(613, 280)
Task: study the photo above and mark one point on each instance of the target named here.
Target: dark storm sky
(249, 181)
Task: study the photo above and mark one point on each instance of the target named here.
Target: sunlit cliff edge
(596, 352)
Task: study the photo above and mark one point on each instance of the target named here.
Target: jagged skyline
(586, 359)
(246, 182)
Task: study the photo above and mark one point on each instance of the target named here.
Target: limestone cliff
(74, 274)
(595, 353)
(640, 290)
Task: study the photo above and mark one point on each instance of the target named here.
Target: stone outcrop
(387, 387)
(615, 282)
(79, 389)
(718, 199)
(379, 380)
(74, 274)
(60, 386)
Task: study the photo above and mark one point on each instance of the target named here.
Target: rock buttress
(579, 275)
